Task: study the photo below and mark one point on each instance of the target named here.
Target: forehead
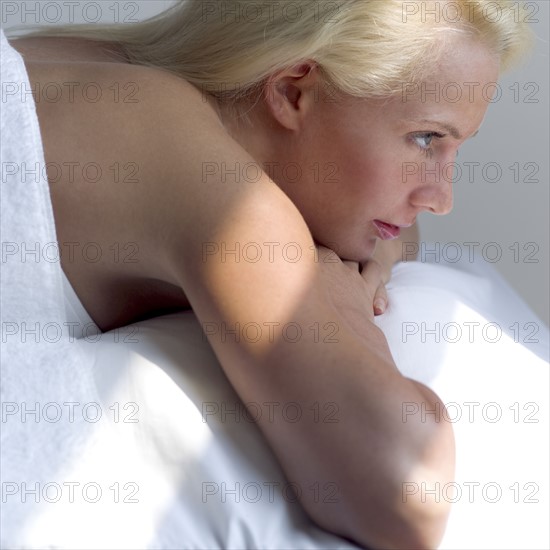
(457, 88)
(462, 59)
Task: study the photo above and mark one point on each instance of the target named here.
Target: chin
(360, 252)
(351, 245)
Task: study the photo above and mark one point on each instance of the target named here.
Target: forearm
(368, 451)
(376, 452)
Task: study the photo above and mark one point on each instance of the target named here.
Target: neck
(248, 124)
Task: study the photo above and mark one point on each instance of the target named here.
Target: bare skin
(119, 283)
(177, 217)
(107, 289)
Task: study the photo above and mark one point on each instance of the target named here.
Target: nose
(434, 190)
(436, 198)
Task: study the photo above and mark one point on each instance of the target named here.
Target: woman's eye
(424, 140)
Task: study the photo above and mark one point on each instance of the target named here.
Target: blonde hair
(365, 48)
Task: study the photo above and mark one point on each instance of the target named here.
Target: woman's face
(368, 163)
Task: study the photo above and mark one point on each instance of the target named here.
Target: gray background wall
(502, 198)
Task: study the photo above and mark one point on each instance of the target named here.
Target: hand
(352, 291)
(377, 274)
(359, 291)
(386, 255)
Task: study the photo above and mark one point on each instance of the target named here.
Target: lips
(387, 231)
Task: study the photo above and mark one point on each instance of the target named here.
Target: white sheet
(476, 375)
(176, 457)
(490, 368)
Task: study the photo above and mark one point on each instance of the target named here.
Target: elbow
(415, 517)
(409, 524)
(426, 479)
(396, 490)
(421, 517)
(417, 505)
(410, 507)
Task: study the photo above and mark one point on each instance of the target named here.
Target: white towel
(42, 366)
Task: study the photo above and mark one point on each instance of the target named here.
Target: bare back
(101, 144)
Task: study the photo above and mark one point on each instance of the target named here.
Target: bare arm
(371, 453)
(244, 257)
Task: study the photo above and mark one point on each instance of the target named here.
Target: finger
(380, 302)
(372, 273)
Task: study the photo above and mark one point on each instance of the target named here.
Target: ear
(289, 94)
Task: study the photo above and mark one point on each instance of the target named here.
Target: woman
(253, 154)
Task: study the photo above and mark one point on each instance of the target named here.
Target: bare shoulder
(117, 142)
(135, 156)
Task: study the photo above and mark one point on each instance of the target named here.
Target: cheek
(367, 166)
(376, 177)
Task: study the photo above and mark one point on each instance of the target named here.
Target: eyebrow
(450, 129)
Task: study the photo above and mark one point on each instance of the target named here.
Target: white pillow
(176, 470)
(469, 337)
